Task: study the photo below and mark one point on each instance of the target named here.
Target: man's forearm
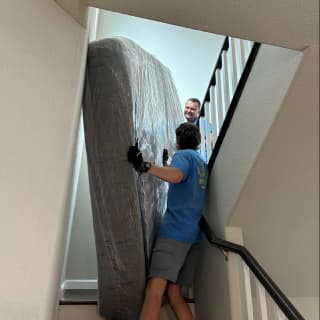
(166, 173)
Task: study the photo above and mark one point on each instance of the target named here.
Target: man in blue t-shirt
(173, 257)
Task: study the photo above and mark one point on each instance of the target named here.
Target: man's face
(191, 111)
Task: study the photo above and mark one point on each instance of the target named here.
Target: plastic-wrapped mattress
(128, 95)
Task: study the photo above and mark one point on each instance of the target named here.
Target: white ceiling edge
(77, 9)
(292, 24)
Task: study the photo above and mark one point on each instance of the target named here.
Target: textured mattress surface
(128, 95)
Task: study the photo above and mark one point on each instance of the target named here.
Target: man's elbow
(177, 178)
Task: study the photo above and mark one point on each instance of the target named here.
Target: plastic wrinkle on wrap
(128, 95)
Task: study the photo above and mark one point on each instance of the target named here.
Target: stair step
(89, 312)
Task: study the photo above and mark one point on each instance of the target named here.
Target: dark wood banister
(276, 294)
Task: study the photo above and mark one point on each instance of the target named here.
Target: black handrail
(280, 299)
(276, 294)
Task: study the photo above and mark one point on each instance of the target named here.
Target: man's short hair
(195, 100)
(188, 136)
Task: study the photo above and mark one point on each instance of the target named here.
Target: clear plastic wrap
(129, 95)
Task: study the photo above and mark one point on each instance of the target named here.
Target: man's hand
(135, 157)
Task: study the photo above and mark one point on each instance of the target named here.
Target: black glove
(165, 157)
(135, 157)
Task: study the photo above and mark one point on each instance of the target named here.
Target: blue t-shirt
(185, 199)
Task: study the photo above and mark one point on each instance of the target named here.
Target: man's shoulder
(190, 154)
(186, 151)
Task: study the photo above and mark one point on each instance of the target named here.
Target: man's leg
(153, 298)
(177, 302)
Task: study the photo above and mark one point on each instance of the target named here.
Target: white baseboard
(79, 284)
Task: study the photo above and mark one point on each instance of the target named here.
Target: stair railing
(283, 308)
(221, 99)
(224, 90)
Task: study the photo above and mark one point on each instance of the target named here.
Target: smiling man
(192, 110)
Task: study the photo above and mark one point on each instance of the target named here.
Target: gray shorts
(174, 261)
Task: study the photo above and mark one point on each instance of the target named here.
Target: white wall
(41, 62)
(277, 204)
(258, 107)
(189, 54)
(308, 306)
(278, 208)
(211, 285)
(82, 258)
(265, 89)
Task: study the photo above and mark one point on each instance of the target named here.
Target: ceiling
(292, 24)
